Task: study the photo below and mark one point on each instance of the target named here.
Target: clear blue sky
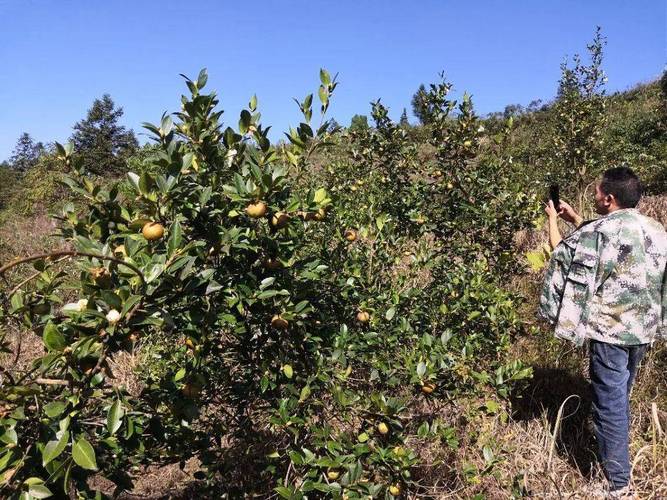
(57, 56)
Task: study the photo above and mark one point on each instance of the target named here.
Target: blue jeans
(612, 370)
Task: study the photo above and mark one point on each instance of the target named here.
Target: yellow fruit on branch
(382, 428)
(256, 210)
(279, 322)
(395, 489)
(279, 220)
(428, 388)
(350, 235)
(450, 185)
(363, 317)
(332, 475)
(153, 231)
(120, 250)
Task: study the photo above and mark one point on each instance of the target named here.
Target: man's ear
(610, 199)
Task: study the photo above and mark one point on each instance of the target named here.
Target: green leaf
(283, 492)
(244, 121)
(488, 454)
(287, 370)
(325, 78)
(320, 195)
(305, 393)
(179, 375)
(391, 312)
(39, 491)
(175, 238)
(202, 79)
(54, 448)
(55, 408)
(84, 454)
(53, 339)
(115, 417)
(537, 259)
(474, 315)
(492, 406)
(10, 437)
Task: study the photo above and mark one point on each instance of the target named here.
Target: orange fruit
(428, 388)
(153, 231)
(279, 322)
(256, 210)
(363, 317)
(279, 220)
(350, 235)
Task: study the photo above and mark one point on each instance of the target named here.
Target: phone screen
(554, 195)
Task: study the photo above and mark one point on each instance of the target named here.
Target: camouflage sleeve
(554, 281)
(584, 274)
(552, 287)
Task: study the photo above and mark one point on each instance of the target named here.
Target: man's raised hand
(568, 214)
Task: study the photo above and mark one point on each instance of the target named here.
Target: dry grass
(124, 369)
(25, 347)
(22, 236)
(656, 207)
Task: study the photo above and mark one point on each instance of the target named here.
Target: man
(607, 283)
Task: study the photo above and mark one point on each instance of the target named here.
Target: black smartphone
(555, 196)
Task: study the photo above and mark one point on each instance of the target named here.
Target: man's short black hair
(624, 184)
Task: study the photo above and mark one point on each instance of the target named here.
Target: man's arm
(554, 233)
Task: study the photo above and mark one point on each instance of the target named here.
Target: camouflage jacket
(608, 281)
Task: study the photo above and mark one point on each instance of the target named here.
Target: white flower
(113, 316)
(76, 306)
